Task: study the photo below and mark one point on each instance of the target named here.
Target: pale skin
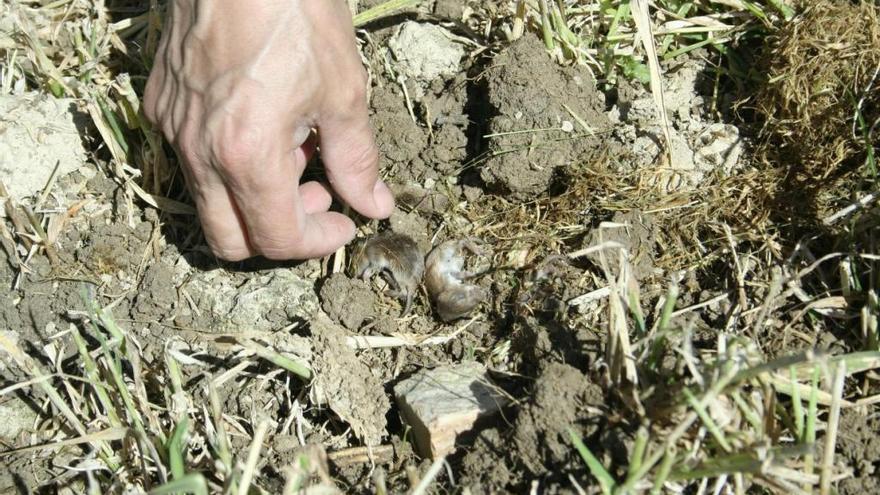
(236, 87)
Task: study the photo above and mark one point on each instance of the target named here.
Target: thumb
(352, 162)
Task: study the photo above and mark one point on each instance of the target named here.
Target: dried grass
(820, 103)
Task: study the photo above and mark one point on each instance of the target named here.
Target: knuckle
(355, 93)
(168, 132)
(235, 153)
(231, 254)
(150, 101)
(276, 254)
(188, 151)
(150, 110)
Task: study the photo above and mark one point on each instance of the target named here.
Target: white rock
(36, 132)
(441, 403)
(718, 147)
(8, 340)
(15, 417)
(699, 147)
(425, 52)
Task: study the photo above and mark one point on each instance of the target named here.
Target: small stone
(441, 403)
(425, 52)
(413, 225)
(718, 147)
(449, 9)
(15, 418)
(414, 197)
(260, 303)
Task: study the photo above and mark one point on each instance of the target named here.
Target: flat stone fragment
(441, 403)
(37, 132)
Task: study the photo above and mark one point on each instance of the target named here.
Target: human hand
(236, 87)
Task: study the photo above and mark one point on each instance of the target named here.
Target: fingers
(158, 93)
(315, 197)
(347, 146)
(226, 232)
(284, 220)
(251, 210)
(226, 124)
(223, 226)
(323, 234)
(352, 162)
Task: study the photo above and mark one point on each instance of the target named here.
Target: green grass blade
(191, 483)
(688, 48)
(546, 29)
(797, 407)
(748, 412)
(281, 361)
(812, 413)
(707, 420)
(663, 472)
(636, 310)
(176, 449)
(638, 455)
(94, 376)
(738, 463)
(599, 472)
(785, 10)
(668, 307)
(114, 123)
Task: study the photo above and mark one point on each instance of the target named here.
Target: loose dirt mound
(536, 129)
(558, 403)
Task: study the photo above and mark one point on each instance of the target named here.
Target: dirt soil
(509, 124)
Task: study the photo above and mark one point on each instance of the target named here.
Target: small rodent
(445, 280)
(398, 259)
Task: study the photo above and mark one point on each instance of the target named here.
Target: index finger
(351, 160)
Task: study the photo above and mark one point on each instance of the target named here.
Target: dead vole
(398, 259)
(446, 280)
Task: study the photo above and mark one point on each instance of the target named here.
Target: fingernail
(383, 199)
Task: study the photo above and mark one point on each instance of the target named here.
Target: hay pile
(821, 73)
